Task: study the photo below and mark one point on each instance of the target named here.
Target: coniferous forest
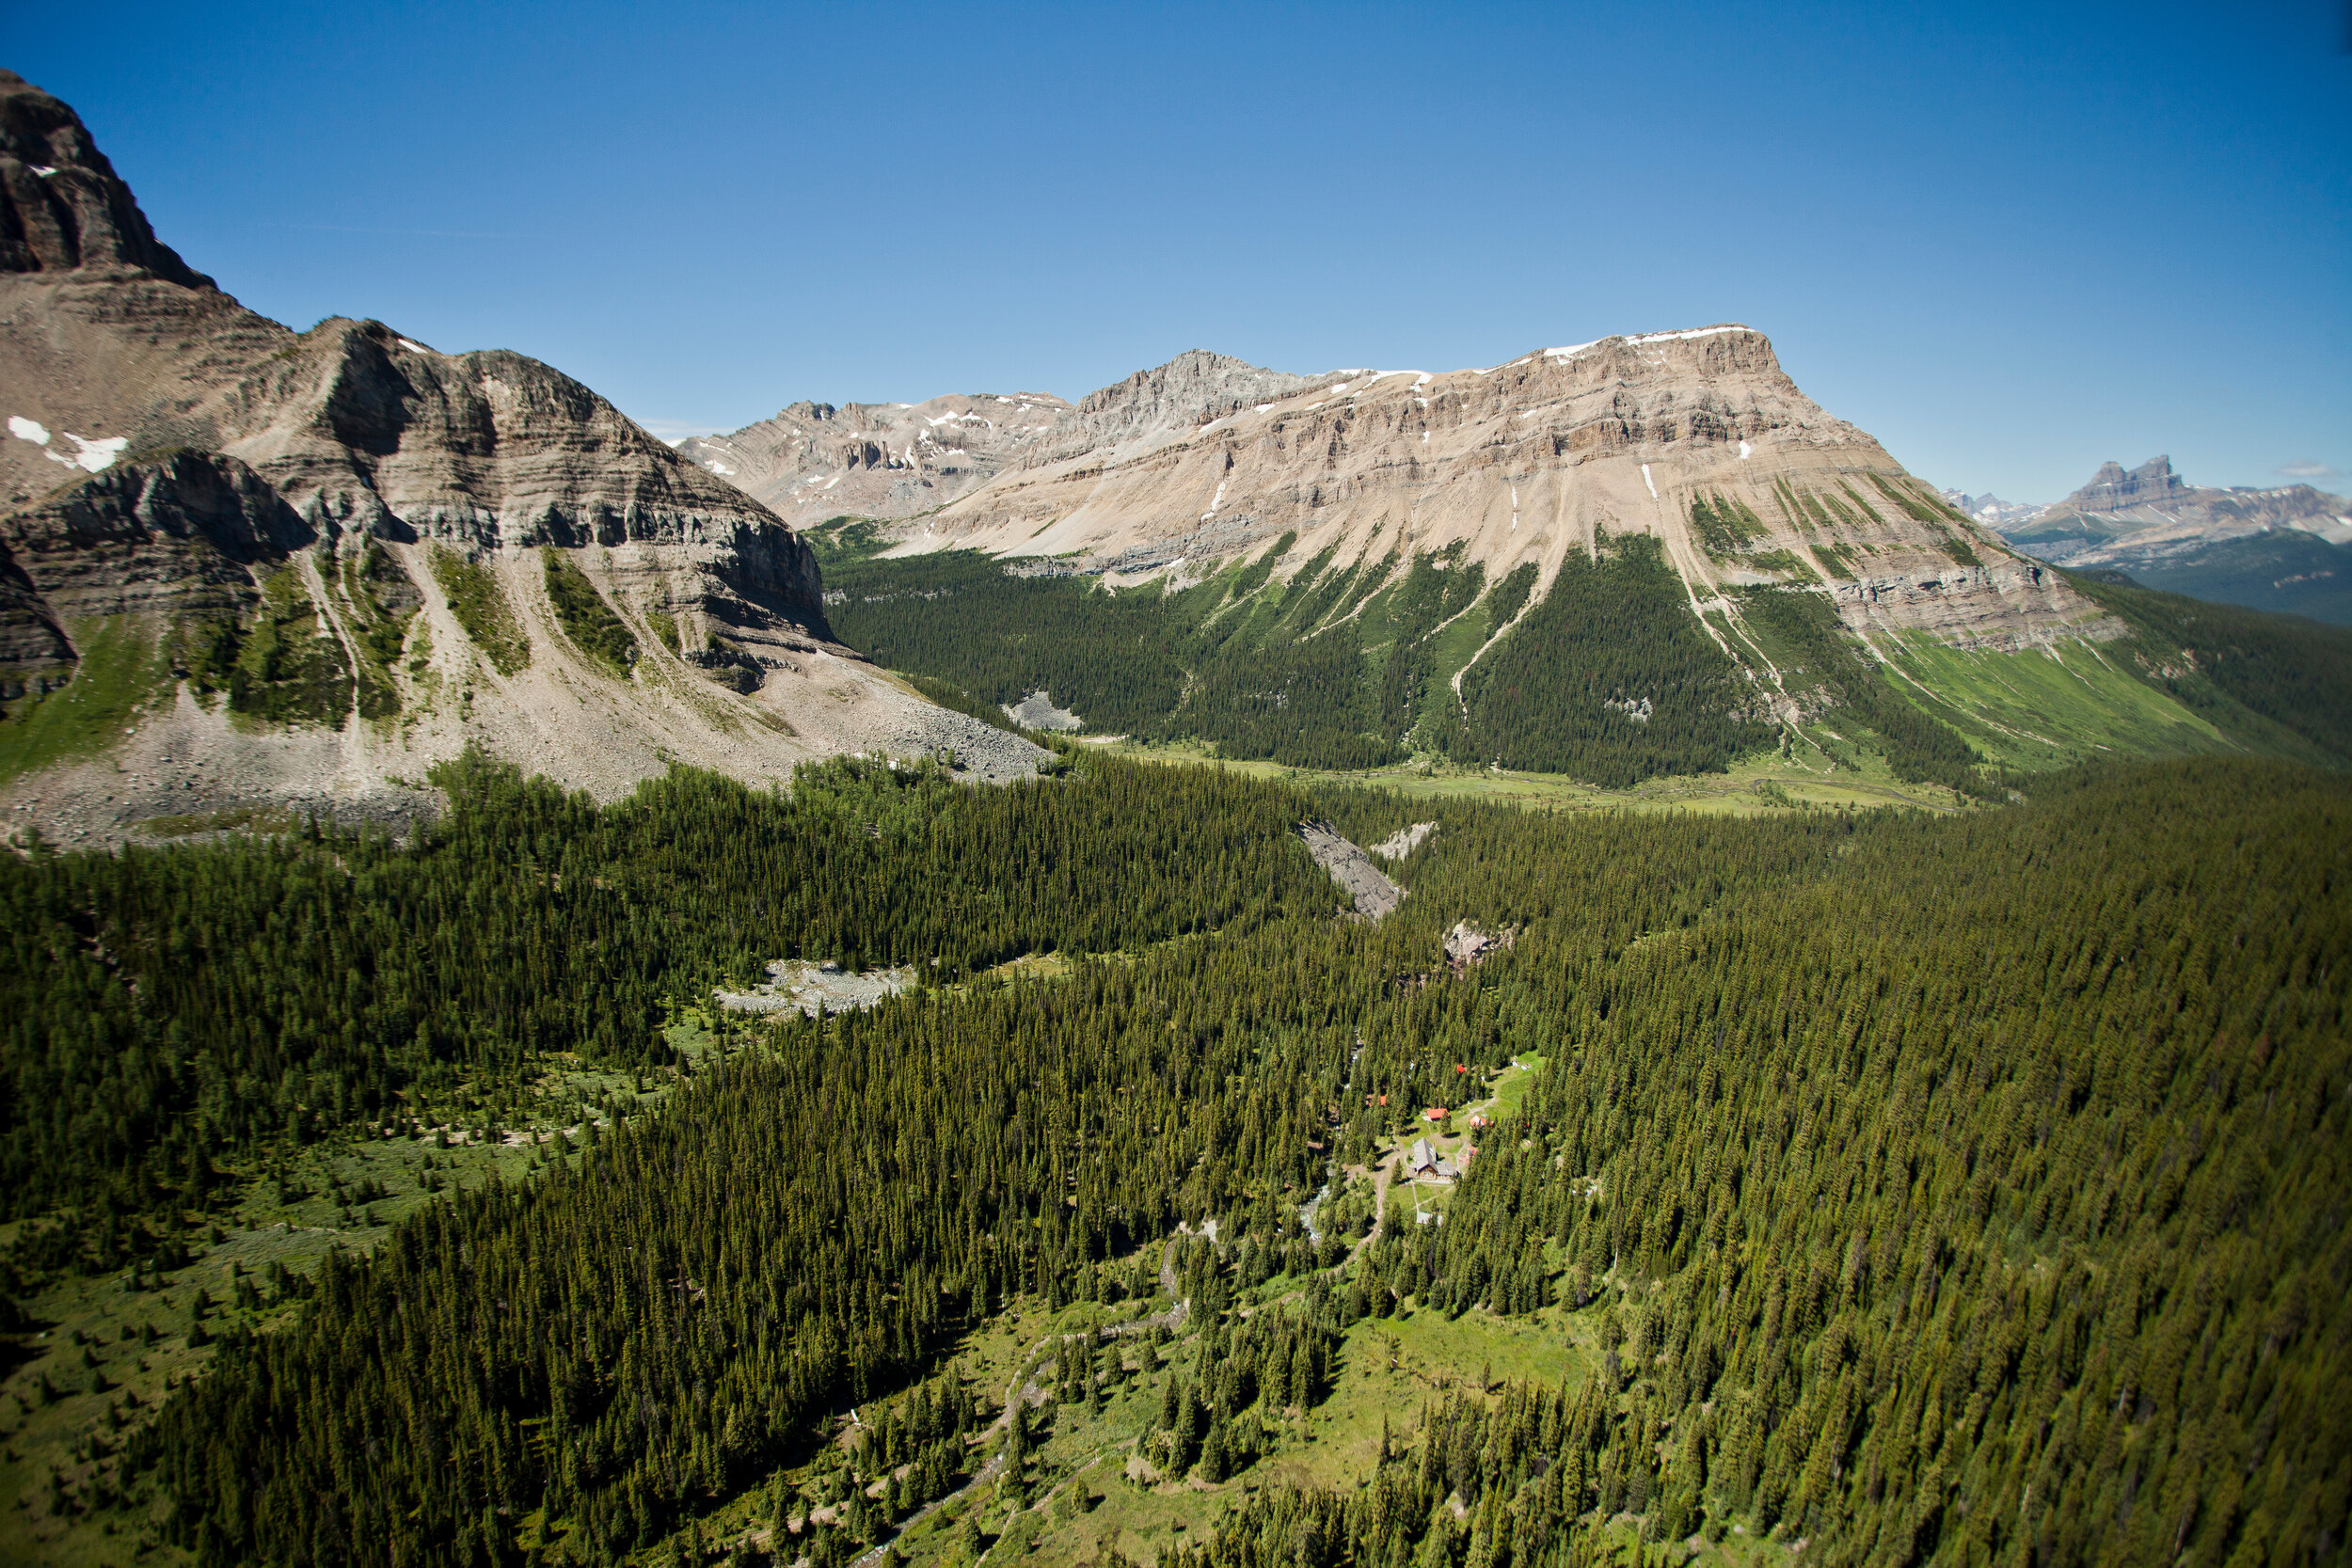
(1601, 674)
(1877, 1188)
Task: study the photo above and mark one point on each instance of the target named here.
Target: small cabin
(1423, 1161)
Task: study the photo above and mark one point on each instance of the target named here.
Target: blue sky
(2008, 241)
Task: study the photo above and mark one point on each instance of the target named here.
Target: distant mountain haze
(2287, 548)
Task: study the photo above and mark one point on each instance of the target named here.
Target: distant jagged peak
(1165, 400)
(2114, 489)
(62, 206)
(1192, 375)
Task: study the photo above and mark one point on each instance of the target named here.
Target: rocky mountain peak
(2280, 548)
(62, 206)
(337, 557)
(1190, 390)
(2113, 489)
(814, 459)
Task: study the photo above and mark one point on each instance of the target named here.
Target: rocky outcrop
(1404, 841)
(1373, 895)
(1467, 944)
(179, 536)
(33, 648)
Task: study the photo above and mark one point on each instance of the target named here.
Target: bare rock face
(179, 535)
(2111, 489)
(335, 520)
(2152, 513)
(813, 461)
(66, 208)
(1696, 437)
(1193, 389)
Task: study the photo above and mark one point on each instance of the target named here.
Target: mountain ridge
(1555, 450)
(295, 544)
(2285, 549)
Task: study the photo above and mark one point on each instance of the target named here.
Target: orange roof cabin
(1437, 1113)
(1478, 1120)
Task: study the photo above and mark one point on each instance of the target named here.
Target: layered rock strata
(1696, 437)
(333, 518)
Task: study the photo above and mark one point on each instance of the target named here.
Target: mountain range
(1355, 569)
(245, 569)
(2287, 548)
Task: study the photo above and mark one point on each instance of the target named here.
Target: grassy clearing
(1511, 1084)
(124, 670)
(1029, 966)
(1081, 1496)
(2041, 709)
(1817, 774)
(258, 820)
(1086, 1493)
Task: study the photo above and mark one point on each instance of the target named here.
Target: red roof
(1437, 1113)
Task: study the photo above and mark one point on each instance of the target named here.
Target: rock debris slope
(267, 567)
(1697, 437)
(1373, 893)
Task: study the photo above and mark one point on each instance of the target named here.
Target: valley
(1540, 965)
(1053, 1179)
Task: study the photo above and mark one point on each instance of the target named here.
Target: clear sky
(2008, 241)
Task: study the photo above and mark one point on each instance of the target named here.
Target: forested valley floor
(1849, 1188)
(1604, 675)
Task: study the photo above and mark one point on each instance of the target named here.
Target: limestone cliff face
(1191, 389)
(179, 536)
(178, 469)
(1697, 437)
